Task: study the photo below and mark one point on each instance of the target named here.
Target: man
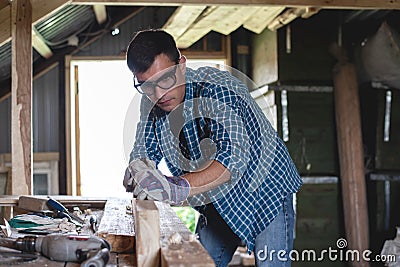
(226, 159)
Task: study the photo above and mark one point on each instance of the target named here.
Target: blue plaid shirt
(221, 121)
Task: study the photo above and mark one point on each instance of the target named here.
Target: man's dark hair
(148, 44)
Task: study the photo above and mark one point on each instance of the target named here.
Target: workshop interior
(326, 72)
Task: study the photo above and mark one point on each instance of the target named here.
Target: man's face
(163, 83)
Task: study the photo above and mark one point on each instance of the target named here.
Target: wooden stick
(351, 157)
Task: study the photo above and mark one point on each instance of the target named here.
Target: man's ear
(182, 60)
(182, 64)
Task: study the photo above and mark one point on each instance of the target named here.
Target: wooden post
(147, 229)
(21, 95)
(62, 142)
(351, 158)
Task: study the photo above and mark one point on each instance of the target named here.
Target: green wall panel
(312, 137)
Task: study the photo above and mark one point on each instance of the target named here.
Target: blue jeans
(221, 242)
(274, 244)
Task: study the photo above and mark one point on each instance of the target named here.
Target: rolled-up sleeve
(228, 128)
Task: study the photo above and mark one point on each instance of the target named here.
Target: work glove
(147, 182)
(135, 167)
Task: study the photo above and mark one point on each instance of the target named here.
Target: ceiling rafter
(100, 12)
(234, 19)
(190, 23)
(291, 14)
(182, 18)
(262, 18)
(337, 4)
(4, 3)
(203, 24)
(40, 45)
(40, 10)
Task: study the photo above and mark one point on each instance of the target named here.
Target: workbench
(139, 232)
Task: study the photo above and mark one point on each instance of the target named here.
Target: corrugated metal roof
(5, 61)
(71, 20)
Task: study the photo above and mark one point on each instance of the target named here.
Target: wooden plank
(264, 60)
(5, 212)
(147, 228)
(291, 14)
(12, 200)
(77, 134)
(310, 11)
(101, 13)
(4, 3)
(5, 22)
(117, 226)
(37, 156)
(285, 18)
(170, 223)
(346, 4)
(71, 181)
(234, 19)
(189, 253)
(40, 45)
(262, 17)
(351, 158)
(113, 261)
(33, 203)
(204, 25)
(21, 100)
(182, 19)
(40, 10)
(197, 30)
(126, 260)
(62, 173)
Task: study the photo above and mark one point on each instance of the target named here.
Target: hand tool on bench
(63, 211)
(93, 223)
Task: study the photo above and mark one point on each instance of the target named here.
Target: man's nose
(158, 92)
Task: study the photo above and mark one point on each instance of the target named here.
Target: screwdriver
(52, 203)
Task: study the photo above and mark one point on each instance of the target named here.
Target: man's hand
(147, 182)
(135, 167)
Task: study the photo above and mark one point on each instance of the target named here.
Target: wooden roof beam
(101, 13)
(210, 19)
(40, 45)
(182, 19)
(220, 19)
(40, 10)
(4, 3)
(199, 29)
(234, 19)
(337, 4)
(262, 18)
(290, 15)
